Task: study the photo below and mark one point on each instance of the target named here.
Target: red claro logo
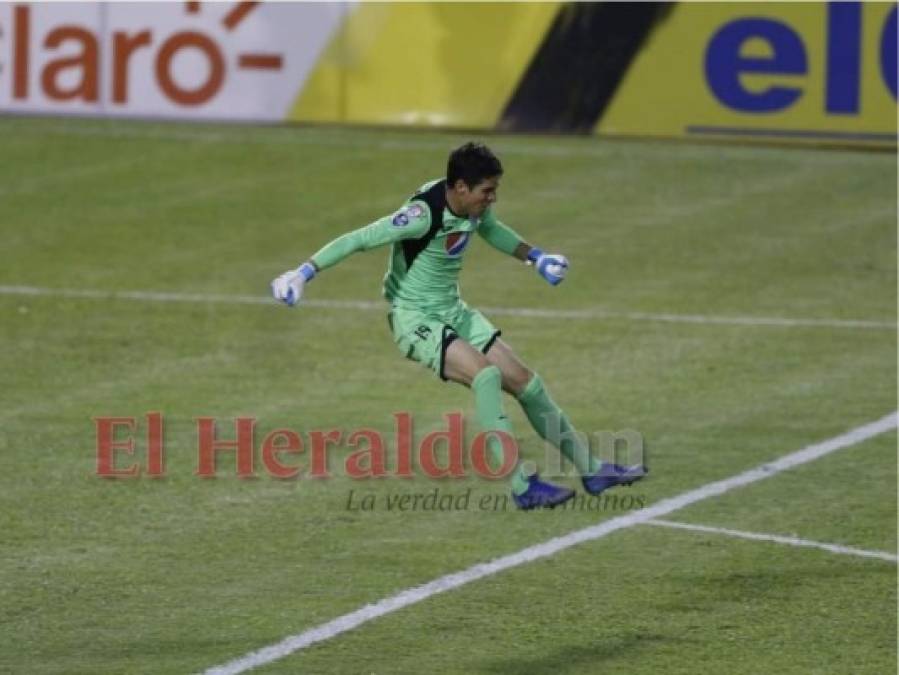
(123, 46)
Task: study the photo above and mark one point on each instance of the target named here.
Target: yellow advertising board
(424, 64)
(770, 71)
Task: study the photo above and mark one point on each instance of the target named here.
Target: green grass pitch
(178, 574)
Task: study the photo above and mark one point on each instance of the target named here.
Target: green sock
(542, 412)
(488, 397)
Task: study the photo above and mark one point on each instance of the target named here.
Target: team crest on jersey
(455, 243)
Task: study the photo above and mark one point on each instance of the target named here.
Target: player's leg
(437, 346)
(464, 364)
(432, 342)
(553, 425)
(548, 419)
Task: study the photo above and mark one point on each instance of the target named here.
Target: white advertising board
(210, 60)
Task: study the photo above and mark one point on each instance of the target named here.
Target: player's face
(480, 197)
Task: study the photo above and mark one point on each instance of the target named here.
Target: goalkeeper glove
(551, 266)
(289, 286)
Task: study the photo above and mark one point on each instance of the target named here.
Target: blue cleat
(610, 475)
(542, 495)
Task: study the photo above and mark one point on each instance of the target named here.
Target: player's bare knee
(463, 363)
(481, 364)
(516, 380)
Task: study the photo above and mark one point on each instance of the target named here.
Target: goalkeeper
(431, 324)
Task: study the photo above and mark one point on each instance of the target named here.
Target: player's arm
(411, 222)
(551, 266)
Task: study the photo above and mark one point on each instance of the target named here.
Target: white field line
(366, 305)
(780, 539)
(548, 548)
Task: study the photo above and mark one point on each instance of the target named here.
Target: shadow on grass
(579, 657)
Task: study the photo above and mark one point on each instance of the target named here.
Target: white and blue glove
(551, 266)
(288, 288)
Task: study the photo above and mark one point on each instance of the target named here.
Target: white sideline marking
(790, 541)
(411, 596)
(366, 305)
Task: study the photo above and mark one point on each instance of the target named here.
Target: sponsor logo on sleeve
(402, 217)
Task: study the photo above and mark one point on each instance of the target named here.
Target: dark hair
(473, 162)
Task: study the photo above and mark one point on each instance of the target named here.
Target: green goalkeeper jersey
(428, 243)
